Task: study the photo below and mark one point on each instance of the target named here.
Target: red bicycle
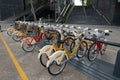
(28, 43)
(97, 47)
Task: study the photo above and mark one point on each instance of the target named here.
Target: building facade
(109, 8)
(9, 8)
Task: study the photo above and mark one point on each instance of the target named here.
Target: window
(118, 0)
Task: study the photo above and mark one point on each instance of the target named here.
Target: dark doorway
(116, 19)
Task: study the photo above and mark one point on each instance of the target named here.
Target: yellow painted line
(17, 65)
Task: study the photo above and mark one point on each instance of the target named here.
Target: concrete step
(92, 17)
(98, 70)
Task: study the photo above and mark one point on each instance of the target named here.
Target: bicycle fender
(56, 56)
(10, 29)
(45, 50)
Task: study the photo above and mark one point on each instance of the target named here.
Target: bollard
(117, 66)
(0, 29)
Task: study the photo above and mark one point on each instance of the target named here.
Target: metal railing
(105, 42)
(116, 71)
(62, 13)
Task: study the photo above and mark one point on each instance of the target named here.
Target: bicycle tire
(9, 32)
(27, 50)
(69, 46)
(16, 37)
(42, 61)
(58, 72)
(72, 46)
(89, 56)
(50, 36)
(41, 58)
(102, 51)
(82, 48)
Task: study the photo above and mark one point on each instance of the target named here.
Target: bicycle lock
(116, 71)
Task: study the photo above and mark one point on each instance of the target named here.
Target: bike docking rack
(1, 29)
(116, 71)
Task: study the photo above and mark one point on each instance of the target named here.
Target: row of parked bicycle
(62, 42)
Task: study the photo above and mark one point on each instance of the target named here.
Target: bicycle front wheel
(10, 31)
(55, 69)
(69, 44)
(82, 50)
(92, 52)
(16, 37)
(28, 47)
(51, 36)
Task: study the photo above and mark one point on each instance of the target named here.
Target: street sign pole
(24, 7)
(32, 10)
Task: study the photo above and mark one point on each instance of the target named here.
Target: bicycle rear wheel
(55, 69)
(82, 50)
(92, 52)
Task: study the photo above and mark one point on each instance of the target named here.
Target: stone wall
(106, 7)
(116, 19)
(10, 8)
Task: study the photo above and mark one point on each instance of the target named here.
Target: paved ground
(33, 70)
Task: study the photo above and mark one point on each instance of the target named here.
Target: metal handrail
(105, 42)
(63, 12)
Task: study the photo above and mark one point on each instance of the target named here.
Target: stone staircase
(77, 16)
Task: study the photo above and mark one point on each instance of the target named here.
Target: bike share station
(99, 69)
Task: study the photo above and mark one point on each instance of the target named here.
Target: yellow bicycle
(29, 30)
(57, 61)
(18, 26)
(47, 50)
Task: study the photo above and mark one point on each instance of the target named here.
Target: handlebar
(91, 39)
(110, 31)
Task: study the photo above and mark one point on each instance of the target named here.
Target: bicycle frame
(48, 49)
(12, 30)
(21, 33)
(33, 40)
(99, 45)
(59, 55)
